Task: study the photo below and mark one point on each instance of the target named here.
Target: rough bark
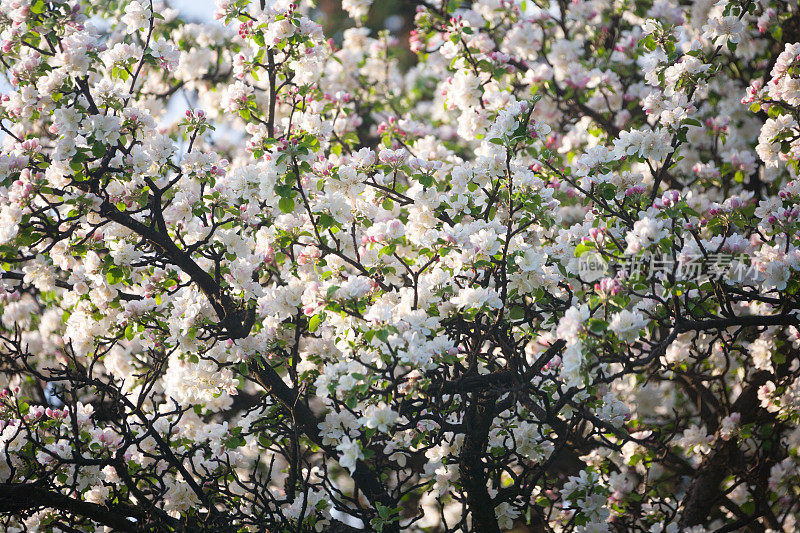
(479, 415)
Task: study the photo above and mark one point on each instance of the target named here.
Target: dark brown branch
(17, 498)
(478, 418)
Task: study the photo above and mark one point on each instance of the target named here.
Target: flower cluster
(344, 288)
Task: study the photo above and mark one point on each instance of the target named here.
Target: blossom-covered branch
(544, 274)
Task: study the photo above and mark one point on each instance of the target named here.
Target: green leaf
(284, 191)
(598, 326)
(235, 442)
(114, 275)
(286, 204)
(382, 334)
(325, 221)
(314, 322)
(607, 191)
(581, 248)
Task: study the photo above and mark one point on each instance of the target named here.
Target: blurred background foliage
(393, 16)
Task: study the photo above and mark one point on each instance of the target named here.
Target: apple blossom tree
(545, 278)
